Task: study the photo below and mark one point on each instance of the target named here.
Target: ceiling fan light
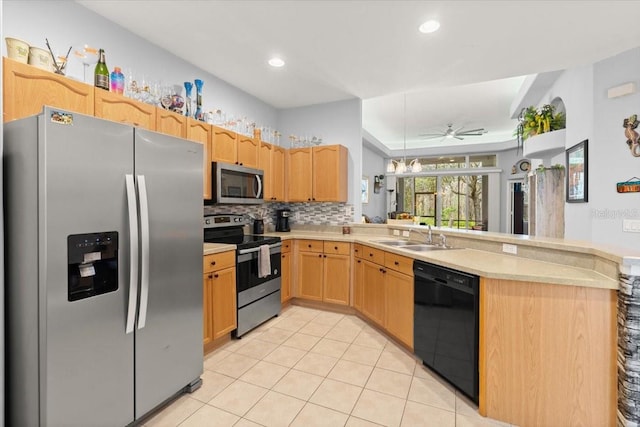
(401, 167)
(391, 168)
(449, 135)
(429, 26)
(416, 166)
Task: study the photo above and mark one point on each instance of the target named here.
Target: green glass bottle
(102, 72)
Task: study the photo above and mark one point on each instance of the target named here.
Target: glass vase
(199, 114)
(187, 105)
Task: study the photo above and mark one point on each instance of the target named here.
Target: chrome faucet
(428, 237)
(443, 240)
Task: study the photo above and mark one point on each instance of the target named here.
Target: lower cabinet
(324, 271)
(285, 272)
(373, 304)
(399, 306)
(219, 295)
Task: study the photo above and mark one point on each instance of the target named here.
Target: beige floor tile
(246, 423)
(315, 329)
(175, 413)
(370, 339)
(275, 410)
(212, 384)
(234, 365)
(389, 382)
(343, 333)
(328, 318)
(465, 421)
(359, 422)
(238, 397)
(316, 364)
(275, 335)
(215, 357)
(234, 345)
(291, 323)
(266, 325)
(208, 416)
(396, 361)
(257, 349)
(361, 354)
(336, 395)
(318, 416)
(285, 356)
(351, 372)
(464, 406)
(301, 341)
(330, 347)
(264, 374)
(379, 408)
(432, 393)
(417, 414)
(298, 384)
(352, 321)
(422, 371)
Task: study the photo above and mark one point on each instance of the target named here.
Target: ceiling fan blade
(433, 136)
(459, 129)
(457, 137)
(478, 131)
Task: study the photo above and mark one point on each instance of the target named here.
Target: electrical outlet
(396, 232)
(405, 233)
(347, 210)
(296, 216)
(631, 225)
(510, 249)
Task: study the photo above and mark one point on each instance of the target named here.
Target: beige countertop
(483, 263)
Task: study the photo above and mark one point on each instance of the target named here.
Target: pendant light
(401, 166)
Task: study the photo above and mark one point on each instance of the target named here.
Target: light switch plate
(396, 232)
(631, 225)
(510, 249)
(405, 233)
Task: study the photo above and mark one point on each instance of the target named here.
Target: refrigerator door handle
(133, 248)
(144, 241)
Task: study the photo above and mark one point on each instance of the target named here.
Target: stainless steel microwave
(235, 184)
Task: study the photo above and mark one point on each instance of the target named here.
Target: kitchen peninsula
(548, 315)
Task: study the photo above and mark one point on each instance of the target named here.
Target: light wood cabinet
(373, 304)
(247, 151)
(223, 145)
(219, 296)
(324, 271)
(285, 272)
(299, 175)
(198, 131)
(399, 306)
(171, 123)
(117, 108)
(318, 174)
(358, 283)
(271, 161)
(26, 89)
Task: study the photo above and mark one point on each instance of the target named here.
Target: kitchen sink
(426, 248)
(394, 242)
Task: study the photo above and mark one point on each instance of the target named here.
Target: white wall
(67, 23)
(339, 123)
(372, 165)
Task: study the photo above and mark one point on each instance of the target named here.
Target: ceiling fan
(454, 133)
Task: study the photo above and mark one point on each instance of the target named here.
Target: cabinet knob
(325, 256)
(215, 275)
(213, 263)
(358, 261)
(210, 276)
(319, 255)
(396, 263)
(370, 254)
(309, 245)
(283, 255)
(314, 199)
(335, 247)
(308, 200)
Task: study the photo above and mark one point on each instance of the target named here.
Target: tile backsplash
(317, 213)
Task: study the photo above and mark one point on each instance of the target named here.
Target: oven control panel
(225, 220)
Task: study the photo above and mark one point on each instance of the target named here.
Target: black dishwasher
(445, 329)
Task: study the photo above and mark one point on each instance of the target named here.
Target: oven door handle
(252, 250)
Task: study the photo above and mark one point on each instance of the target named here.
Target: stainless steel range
(258, 294)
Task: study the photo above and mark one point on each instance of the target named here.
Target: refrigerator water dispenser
(92, 264)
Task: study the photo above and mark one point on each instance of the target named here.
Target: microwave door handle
(133, 249)
(144, 253)
(259, 181)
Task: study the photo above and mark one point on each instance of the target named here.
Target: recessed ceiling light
(276, 62)
(429, 26)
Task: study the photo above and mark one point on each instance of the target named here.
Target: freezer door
(169, 328)
(86, 356)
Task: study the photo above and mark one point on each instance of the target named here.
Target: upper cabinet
(26, 89)
(223, 145)
(247, 151)
(117, 108)
(201, 132)
(317, 174)
(171, 123)
(271, 161)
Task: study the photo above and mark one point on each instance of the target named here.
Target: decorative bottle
(187, 87)
(117, 81)
(199, 115)
(102, 72)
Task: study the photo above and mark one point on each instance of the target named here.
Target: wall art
(577, 173)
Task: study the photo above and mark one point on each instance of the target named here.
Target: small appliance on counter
(282, 219)
(258, 226)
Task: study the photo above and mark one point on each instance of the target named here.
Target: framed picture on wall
(365, 189)
(577, 173)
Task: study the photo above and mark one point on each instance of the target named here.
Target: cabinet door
(299, 167)
(373, 305)
(171, 123)
(399, 309)
(247, 151)
(330, 173)
(224, 301)
(207, 308)
(358, 281)
(310, 268)
(285, 277)
(336, 275)
(277, 174)
(223, 145)
(26, 89)
(264, 163)
(117, 108)
(201, 132)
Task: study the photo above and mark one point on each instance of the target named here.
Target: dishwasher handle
(422, 279)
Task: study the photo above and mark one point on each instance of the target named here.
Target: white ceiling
(465, 74)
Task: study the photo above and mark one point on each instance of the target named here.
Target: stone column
(629, 351)
(549, 200)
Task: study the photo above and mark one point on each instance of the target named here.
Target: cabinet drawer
(373, 255)
(310, 245)
(398, 263)
(219, 261)
(286, 246)
(358, 250)
(338, 248)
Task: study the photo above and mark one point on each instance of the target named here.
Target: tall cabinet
(321, 174)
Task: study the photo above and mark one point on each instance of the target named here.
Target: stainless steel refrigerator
(103, 231)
